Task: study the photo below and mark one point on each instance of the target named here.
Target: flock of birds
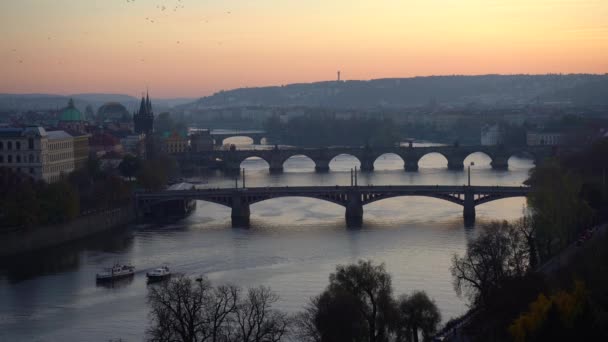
(164, 10)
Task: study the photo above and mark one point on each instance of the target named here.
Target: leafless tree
(498, 253)
(187, 311)
(256, 321)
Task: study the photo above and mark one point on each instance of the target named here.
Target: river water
(292, 246)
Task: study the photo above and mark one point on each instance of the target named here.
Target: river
(292, 246)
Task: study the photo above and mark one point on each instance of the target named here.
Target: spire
(71, 103)
(148, 103)
(142, 107)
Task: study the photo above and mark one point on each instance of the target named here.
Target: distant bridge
(219, 136)
(353, 198)
(231, 160)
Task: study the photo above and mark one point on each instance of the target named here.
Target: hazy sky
(197, 47)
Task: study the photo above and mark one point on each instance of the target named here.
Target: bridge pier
(257, 140)
(240, 212)
(354, 210)
(500, 162)
(468, 211)
(456, 163)
(367, 164)
(276, 165)
(411, 164)
(322, 165)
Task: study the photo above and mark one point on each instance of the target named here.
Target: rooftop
(56, 135)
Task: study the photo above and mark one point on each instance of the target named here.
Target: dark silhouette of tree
(357, 305)
(130, 166)
(498, 253)
(184, 310)
(417, 315)
(558, 211)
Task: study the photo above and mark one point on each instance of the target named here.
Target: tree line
(498, 273)
(357, 305)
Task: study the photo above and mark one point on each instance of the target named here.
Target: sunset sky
(196, 47)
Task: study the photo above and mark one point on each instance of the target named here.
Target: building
(492, 135)
(143, 120)
(72, 119)
(42, 155)
(201, 140)
(81, 150)
(544, 138)
(134, 143)
(104, 142)
(59, 158)
(174, 142)
(115, 116)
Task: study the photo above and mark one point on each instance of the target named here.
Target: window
(31, 159)
(9, 159)
(18, 145)
(18, 157)
(31, 170)
(9, 145)
(1, 145)
(1, 159)
(30, 143)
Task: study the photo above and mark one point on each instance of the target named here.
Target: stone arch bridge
(353, 198)
(230, 160)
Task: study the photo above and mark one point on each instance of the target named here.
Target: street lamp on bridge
(472, 164)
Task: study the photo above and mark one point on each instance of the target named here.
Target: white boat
(159, 274)
(116, 272)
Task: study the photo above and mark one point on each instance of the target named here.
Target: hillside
(417, 91)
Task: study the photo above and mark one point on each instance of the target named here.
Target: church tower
(143, 120)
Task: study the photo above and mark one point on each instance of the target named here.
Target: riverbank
(33, 239)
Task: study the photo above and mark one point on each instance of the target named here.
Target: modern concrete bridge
(353, 198)
(231, 160)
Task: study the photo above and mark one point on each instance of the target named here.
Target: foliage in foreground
(358, 306)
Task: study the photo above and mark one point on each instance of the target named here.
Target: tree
(498, 253)
(417, 315)
(558, 212)
(357, 305)
(129, 166)
(187, 311)
(256, 321)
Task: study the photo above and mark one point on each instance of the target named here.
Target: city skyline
(184, 48)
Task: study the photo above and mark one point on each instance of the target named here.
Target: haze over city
(187, 48)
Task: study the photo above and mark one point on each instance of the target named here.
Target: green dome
(70, 113)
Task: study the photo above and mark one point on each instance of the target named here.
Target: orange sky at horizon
(194, 48)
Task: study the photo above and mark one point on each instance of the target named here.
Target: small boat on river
(117, 271)
(159, 274)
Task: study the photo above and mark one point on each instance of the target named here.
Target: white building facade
(37, 153)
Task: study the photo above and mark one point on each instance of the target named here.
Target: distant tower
(338, 75)
(143, 120)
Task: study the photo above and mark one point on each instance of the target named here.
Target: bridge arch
(254, 163)
(299, 163)
(449, 198)
(344, 162)
(433, 160)
(336, 200)
(479, 158)
(238, 140)
(389, 161)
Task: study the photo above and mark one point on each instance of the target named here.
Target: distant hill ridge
(419, 91)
